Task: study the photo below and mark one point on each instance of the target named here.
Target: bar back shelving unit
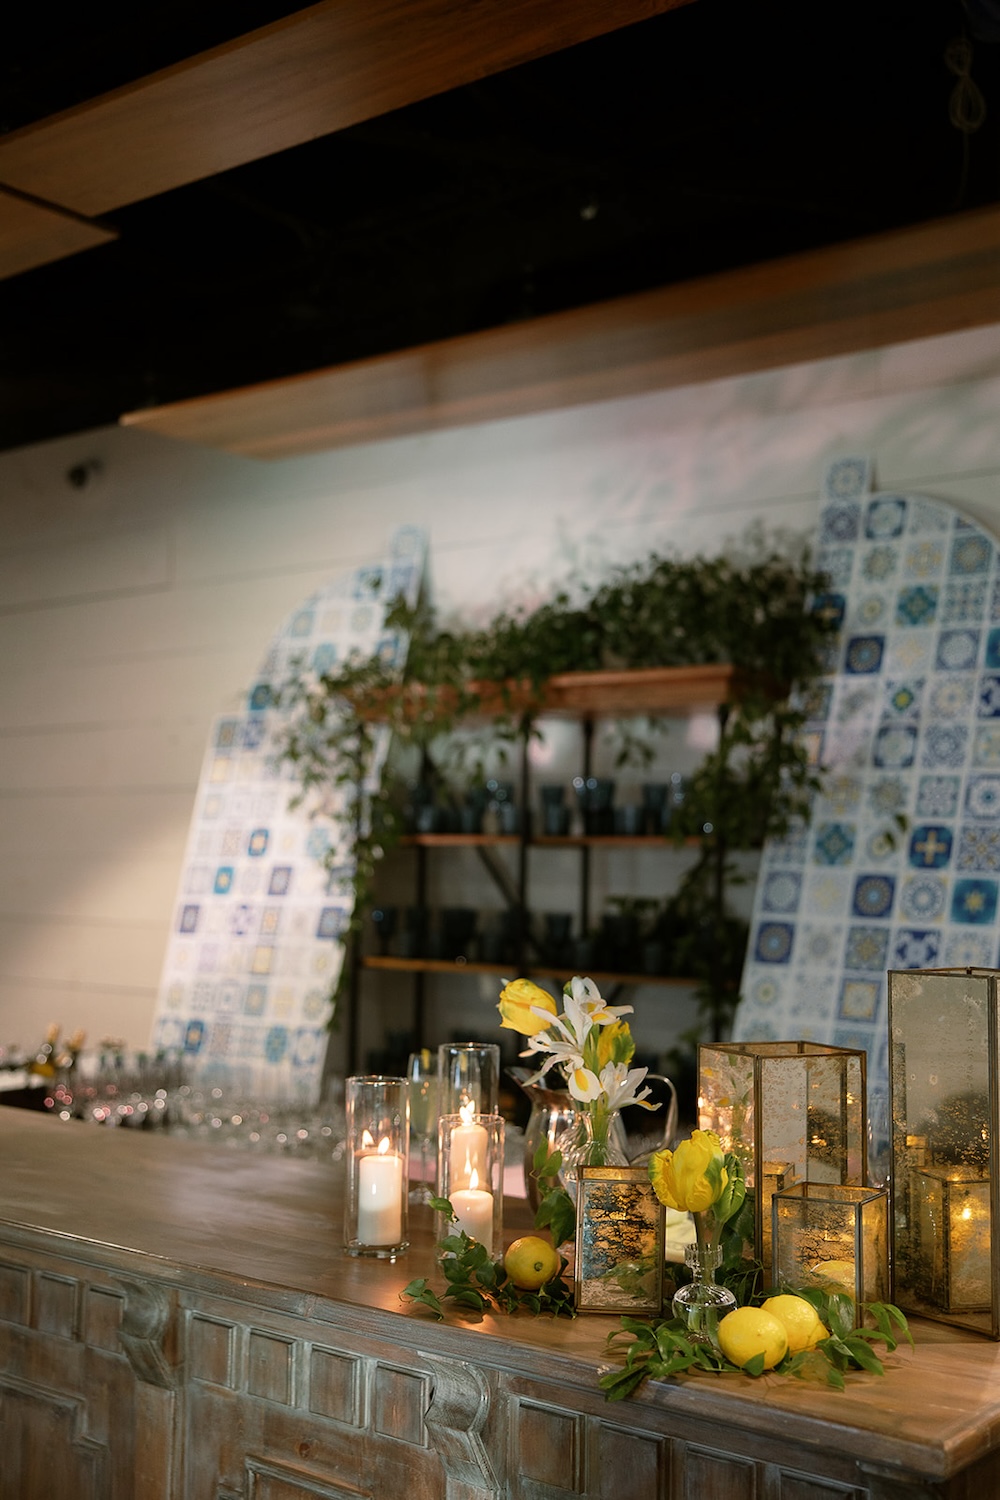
(586, 698)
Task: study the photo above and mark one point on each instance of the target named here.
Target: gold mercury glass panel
(944, 1028)
(619, 1242)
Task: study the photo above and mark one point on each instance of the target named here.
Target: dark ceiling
(716, 135)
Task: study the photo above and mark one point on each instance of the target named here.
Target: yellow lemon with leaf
(748, 1331)
(802, 1323)
(530, 1262)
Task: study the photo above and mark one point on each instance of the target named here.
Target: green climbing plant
(753, 606)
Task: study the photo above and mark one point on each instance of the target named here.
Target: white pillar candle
(469, 1148)
(473, 1210)
(380, 1185)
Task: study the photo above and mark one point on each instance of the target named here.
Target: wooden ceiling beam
(934, 278)
(314, 72)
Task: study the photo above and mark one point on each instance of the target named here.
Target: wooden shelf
(456, 840)
(546, 841)
(612, 841)
(611, 976)
(623, 693)
(639, 691)
(507, 970)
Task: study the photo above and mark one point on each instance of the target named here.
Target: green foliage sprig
(476, 1281)
(556, 1210)
(660, 1348)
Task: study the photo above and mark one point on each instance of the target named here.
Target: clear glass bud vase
(701, 1304)
(593, 1140)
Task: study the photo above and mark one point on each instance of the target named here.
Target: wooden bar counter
(178, 1322)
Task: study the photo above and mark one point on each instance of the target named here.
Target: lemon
(801, 1321)
(837, 1274)
(748, 1331)
(531, 1262)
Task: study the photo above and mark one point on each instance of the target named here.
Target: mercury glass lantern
(944, 1076)
(834, 1237)
(791, 1111)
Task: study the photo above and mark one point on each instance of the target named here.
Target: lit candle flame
(367, 1140)
(467, 1112)
(473, 1179)
(383, 1145)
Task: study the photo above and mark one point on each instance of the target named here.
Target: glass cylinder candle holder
(831, 1236)
(470, 1176)
(469, 1073)
(375, 1211)
(791, 1111)
(944, 1084)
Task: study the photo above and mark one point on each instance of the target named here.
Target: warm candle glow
(469, 1149)
(380, 1187)
(473, 1209)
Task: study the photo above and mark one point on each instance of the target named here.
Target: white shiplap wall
(136, 608)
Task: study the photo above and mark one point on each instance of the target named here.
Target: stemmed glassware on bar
(422, 1074)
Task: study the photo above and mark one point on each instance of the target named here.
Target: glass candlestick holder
(469, 1073)
(470, 1176)
(375, 1212)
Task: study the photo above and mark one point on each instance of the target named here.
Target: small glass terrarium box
(619, 1242)
(833, 1237)
(944, 1074)
(791, 1111)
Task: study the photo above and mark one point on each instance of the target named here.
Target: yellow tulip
(516, 1000)
(692, 1178)
(614, 1044)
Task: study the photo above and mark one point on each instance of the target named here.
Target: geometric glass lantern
(791, 1111)
(835, 1237)
(944, 1030)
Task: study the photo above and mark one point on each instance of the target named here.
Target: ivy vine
(754, 606)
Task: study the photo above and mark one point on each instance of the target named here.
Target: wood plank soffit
(35, 234)
(319, 70)
(934, 278)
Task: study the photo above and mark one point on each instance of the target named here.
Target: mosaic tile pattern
(899, 866)
(255, 947)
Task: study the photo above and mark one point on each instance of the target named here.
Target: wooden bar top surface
(268, 1230)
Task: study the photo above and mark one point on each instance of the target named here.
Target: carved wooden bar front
(178, 1323)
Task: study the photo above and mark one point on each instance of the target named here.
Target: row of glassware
(492, 808)
(637, 938)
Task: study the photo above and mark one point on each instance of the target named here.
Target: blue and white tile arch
(255, 946)
(899, 864)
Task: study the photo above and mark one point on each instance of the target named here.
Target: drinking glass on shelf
(422, 1075)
